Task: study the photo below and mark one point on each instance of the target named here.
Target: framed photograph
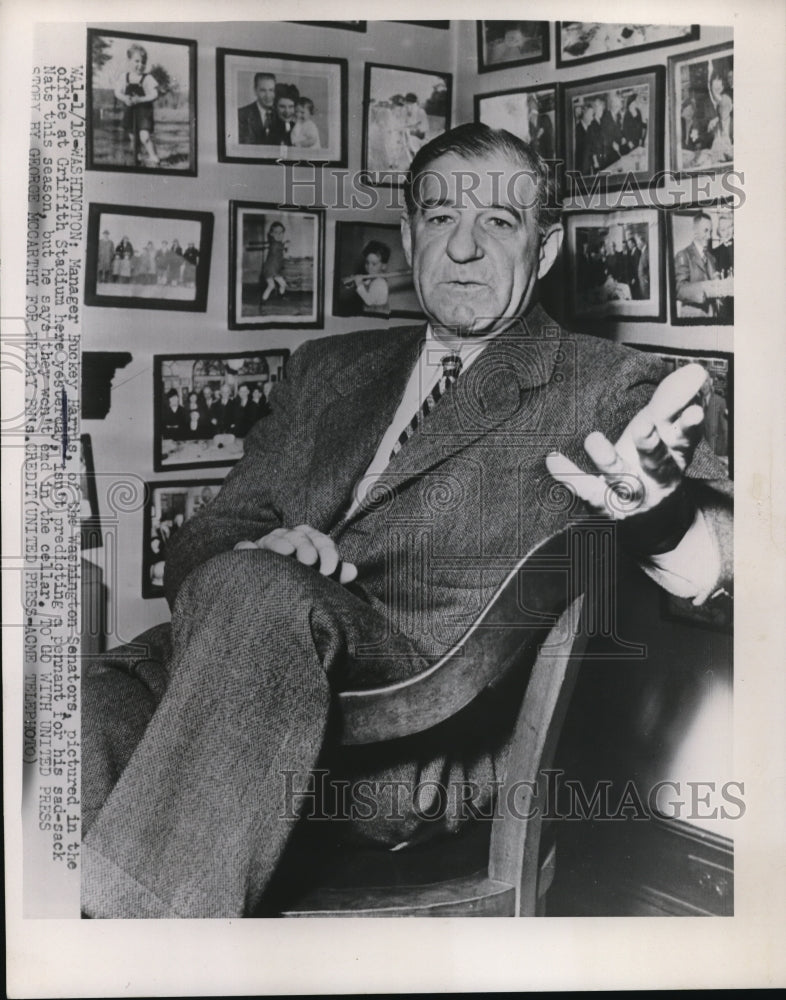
(614, 264)
(444, 25)
(586, 41)
(346, 25)
(512, 43)
(718, 421)
(404, 109)
(613, 127)
(371, 274)
(275, 266)
(274, 108)
(701, 264)
(148, 258)
(169, 505)
(141, 103)
(205, 404)
(89, 519)
(701, 110)
(528, 112)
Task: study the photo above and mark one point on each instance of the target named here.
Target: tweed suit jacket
(467, 496)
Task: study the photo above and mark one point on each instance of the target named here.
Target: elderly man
(326, 562)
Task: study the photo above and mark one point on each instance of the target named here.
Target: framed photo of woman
(701, 111)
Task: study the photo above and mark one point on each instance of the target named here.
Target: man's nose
(463, 244)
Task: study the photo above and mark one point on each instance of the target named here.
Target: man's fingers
(326, 549)
(348, 572)
(277, 543)
(676, 392)
(588, 487)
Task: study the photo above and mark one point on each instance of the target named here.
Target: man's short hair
(382, 250)
(474, 139)
(700, 217)
(287, 90)
(263, 76)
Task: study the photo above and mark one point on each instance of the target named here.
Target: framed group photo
(276, 266)
(148, 258)
(528, 112)
(168, 506)
(586, 41)
(275, 108)
(205, 405)
(615, 264)
(371, 274)
(701, 264)
(613, 126)
(404, 109)
(701, 112)
(512, 43)
(141, 103)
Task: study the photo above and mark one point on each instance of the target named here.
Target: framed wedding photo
(275, 108)
(701, 264)
(148, 258)
(528, 112)
(276, 266)
(404, 109)
(613, 128)
(701, 110)
(205, 405)
(614, 265)
(371, 276)
(586, 41)
(141, 103)
(169, 505)
(502, 44)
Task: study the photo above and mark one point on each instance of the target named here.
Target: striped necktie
(451, 368)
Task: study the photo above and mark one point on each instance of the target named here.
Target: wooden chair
(442, 878)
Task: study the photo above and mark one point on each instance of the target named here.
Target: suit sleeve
(690, 292)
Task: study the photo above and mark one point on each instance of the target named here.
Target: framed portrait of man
(701, 264)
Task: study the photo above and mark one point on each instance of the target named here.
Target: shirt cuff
(692, 569)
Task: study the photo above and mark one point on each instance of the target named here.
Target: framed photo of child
(371, 276)
(701, 111)
(148, 258)
(274, 108)
(403, 110)
(205, 405)
(141, 103)
(275, 266)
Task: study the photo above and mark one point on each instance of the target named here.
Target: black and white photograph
(371, 273)
(169, 505)
(206, 404)
(528, 112)
(141, 103)
(404, 109)
(148, 258)
(701, 110)
(587, 41)
(345, 25)
(276, 266)
(90, 520)
(613, 126)
(276, 107)
(502, 44)
(615, 264)
(701, 264)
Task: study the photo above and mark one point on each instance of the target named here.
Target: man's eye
(439, 219)
(498, 222)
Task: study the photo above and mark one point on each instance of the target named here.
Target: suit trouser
(184, 803)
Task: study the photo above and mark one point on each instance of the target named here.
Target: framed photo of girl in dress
(371, 274)
(141, 103)
(276, 266)
(404, 109)
(701, 112)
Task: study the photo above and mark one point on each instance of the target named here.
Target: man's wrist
(660, 529)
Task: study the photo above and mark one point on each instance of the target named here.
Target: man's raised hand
(310, 547)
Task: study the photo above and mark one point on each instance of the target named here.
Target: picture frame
(701, 110)
(502, 44)
(403, 109)
(345, 25)
(375, 249)
(613, 129)
(213, 413)
(276, 266)
(147, 258)
(169, 504)
(442, 25)
(719, 420)
(89, 518)
(156, 131)
(614, 265)
(531, 113)
(701, 274)
(260, 119)
(579, 42)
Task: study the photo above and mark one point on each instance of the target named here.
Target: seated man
(376, 509)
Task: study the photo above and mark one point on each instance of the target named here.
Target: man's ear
(406, 238)
(549, 248)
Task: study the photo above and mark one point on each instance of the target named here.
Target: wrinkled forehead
(494, 181)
